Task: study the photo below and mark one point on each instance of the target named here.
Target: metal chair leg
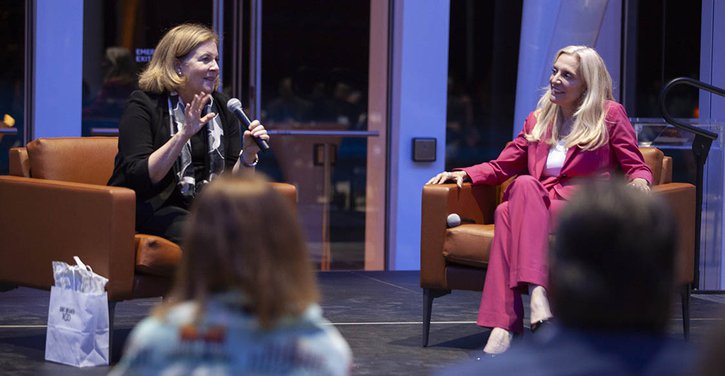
(111, 315)
(428, 296)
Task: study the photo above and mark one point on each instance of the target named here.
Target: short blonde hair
(589, 130)
(160, 75)
(244, 236)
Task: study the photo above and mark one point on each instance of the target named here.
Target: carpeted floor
(379, 313)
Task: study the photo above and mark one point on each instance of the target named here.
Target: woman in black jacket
(176, 133)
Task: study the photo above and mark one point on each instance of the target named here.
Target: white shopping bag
(78, 327)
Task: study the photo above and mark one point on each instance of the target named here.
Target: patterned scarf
(183, 168)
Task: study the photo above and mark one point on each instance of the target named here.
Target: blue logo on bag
(66, 313)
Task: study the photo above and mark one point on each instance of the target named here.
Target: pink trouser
(518, 253)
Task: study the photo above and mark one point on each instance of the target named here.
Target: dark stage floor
(378, 313)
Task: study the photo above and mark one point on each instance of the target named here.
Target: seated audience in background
(612, 286)
(245, 297)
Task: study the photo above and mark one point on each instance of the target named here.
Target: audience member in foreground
(245, 297)
(612, 286)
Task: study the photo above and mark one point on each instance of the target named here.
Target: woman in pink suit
(577, 132)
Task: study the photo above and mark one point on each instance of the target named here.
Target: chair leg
(111, 315)
(428, 296)
(685, 294)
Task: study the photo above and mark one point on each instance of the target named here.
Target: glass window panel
(664, 43)
(315, 77)
(12, 78)
(118, 40)
(482, 69)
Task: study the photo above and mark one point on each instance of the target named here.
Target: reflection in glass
(663, 42)
(315, 77)
(12, 89)
(118, 41)
(482, 68)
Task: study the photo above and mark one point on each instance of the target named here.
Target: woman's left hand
(255, 129)
(640, 184)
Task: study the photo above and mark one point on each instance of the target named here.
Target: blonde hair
(160, 75)
(589, 130)
(243, 236)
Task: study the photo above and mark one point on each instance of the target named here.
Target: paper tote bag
(77, 328)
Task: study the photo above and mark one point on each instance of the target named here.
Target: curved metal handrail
(677, 123)
(700, 148)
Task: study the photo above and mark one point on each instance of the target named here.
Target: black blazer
(144, 128)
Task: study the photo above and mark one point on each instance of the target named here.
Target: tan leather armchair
(55, 205)
(456, 258)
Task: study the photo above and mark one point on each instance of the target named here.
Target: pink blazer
(523, 157)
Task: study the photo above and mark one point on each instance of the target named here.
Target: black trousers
(167, 222)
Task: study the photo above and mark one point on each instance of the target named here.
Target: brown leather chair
(55, 205)
(456, 258)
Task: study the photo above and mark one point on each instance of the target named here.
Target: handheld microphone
(235, 106)
(455, 220)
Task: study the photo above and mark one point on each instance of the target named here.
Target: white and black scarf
(183, 168)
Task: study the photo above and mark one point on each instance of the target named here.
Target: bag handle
(81, 264)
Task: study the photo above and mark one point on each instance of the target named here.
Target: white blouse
(555, 160)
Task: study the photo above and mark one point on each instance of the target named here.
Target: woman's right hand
(458, 176)
(193, 122)
(163, 158)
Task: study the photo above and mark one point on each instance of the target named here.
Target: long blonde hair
(589, 130)
(160, 75)
(243, 236)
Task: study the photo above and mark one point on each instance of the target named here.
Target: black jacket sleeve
(141, 131)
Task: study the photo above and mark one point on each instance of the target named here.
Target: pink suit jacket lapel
(542, 154)
(570, 153)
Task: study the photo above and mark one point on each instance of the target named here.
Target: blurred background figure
(119, 80)
(245, 297)
(287, 106)
(612, 283)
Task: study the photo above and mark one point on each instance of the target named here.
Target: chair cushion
(468, 244)
(156, 255)
(73, 159)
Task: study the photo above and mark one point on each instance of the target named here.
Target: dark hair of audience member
(243, 235)
(612, 264)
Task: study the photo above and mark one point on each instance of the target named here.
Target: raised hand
(192, 114)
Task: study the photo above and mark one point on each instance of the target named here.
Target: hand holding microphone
(258, 133)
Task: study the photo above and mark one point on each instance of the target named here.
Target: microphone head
(234, 104)
(453, 220)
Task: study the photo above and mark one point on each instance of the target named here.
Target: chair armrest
(438, 201)
(19, 163)
(287, 191)
(681, 198)
(46, 220)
